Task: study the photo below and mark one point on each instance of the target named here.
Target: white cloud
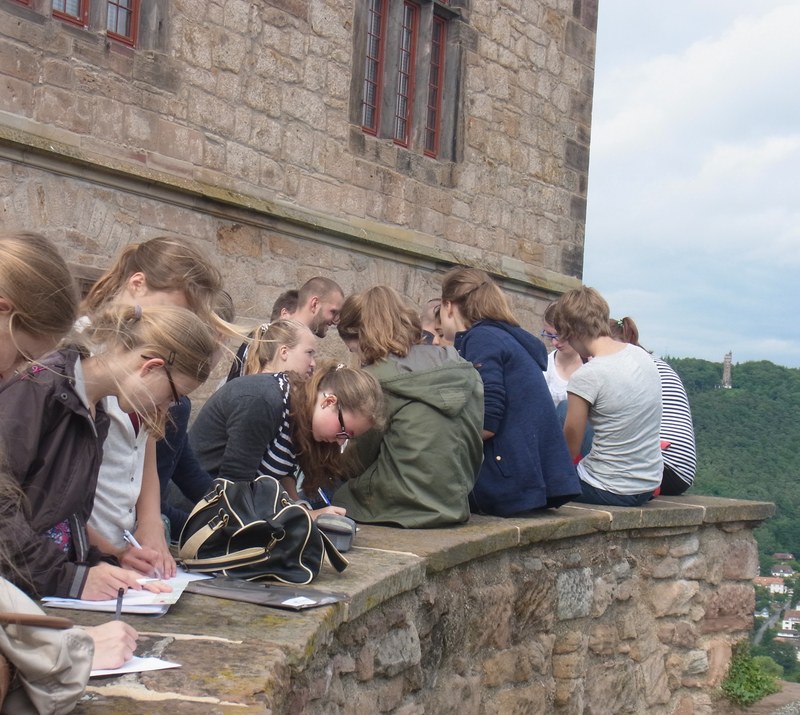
(694, 192)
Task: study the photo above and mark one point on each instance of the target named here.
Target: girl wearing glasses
(54, 415)
(420, 471)
(562, 361)
(271, 423)
(526, 464)
(160, 271)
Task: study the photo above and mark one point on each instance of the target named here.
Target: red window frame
(433, 116)
(81, 18)
(373, 65)
(123, 8)
(406, 74)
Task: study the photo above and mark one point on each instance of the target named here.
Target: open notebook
(138, 602)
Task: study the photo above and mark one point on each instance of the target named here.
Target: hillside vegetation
(747, 441)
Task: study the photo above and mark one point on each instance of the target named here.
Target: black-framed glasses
(547, 334)
(343, 434)
(176, 398)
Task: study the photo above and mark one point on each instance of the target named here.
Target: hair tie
(137, 312)
(339, 366)
(263, 328)
(620, 322)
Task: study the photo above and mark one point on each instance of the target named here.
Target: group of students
(432, 424)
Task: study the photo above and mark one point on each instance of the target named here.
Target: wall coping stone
(385, 562)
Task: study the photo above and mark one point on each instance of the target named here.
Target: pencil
(120, 594)
(35, 620)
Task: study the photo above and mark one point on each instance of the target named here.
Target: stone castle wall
(570, 611)
(234, 126)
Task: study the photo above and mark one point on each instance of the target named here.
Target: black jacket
(53, 449)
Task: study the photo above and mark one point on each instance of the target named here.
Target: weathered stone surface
(465, 639)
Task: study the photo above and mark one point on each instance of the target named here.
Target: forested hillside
(747, 441)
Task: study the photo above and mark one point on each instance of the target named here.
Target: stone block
(397, 651)
(534, 699)
(574, 591)
(672, 598)
(603, 639)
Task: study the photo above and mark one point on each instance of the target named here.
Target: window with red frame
(74, 11)
(373, 65)
(405, 57)
(435, 82)
(122, 21)
(406, 70)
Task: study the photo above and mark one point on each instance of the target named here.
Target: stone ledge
(256, 650)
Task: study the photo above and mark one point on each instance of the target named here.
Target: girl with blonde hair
(53, 413)
(281, 346)
(159, 271)
(526, 464)
(419, 472)
(38, 300)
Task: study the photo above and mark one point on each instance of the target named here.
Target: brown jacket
(53, 449)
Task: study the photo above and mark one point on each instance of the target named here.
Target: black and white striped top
(279, 459)
(676, 424)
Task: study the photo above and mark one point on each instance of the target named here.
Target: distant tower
(726, 371)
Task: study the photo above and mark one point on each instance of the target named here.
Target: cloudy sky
(693, 225)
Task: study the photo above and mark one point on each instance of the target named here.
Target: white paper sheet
(136, 665)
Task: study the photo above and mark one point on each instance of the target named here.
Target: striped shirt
(279, 459)
(676, 424)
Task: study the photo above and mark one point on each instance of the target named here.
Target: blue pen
(324, 496)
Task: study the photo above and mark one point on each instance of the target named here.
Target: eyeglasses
(548, 335)
(343, 434)
(176, 398)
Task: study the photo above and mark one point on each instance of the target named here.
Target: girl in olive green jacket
(420, 470)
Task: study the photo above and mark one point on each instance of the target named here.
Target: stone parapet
(575, 610)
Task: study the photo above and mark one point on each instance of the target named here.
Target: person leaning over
(420, 470)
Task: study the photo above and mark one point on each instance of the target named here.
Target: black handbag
(253, 530)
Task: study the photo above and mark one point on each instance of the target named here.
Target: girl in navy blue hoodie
(526, 464)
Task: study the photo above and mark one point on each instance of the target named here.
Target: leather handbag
(254, 531)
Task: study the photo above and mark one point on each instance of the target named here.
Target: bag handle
(339, 562)
(194, 543)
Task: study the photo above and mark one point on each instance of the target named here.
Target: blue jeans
(593, 495)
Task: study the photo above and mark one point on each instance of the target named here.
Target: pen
(324, 496)
(131, 539)
(120, 594)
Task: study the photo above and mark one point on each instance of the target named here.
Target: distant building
(726, 371)
(790, 620)
(772, 583)
(780, 556)
(782, 571)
